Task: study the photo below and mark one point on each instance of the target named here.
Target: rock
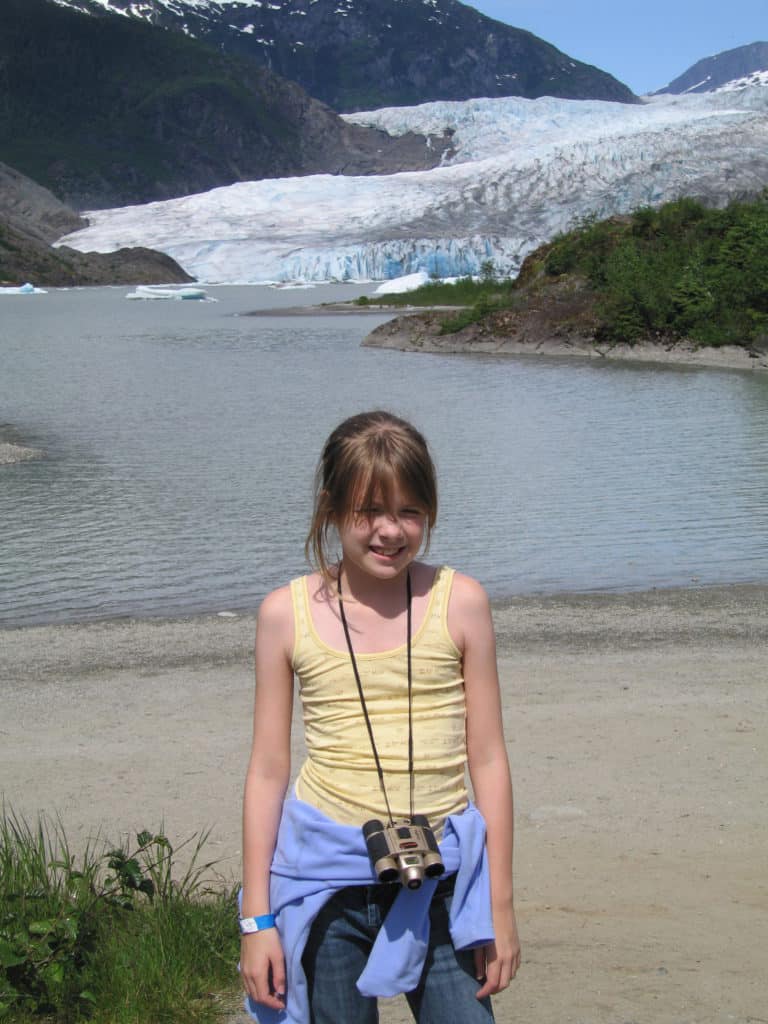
(12, 453)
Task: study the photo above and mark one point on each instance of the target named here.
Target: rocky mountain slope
(108, 111)
(31, 218)
(361, 54)
(712, 73)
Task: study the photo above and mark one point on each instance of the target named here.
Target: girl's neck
(388, 597)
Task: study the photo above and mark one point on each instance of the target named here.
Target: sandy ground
(638, 735)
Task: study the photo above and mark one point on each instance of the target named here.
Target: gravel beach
(637, 727)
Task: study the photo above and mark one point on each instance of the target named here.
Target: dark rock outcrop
(32, 210)
(31, 217)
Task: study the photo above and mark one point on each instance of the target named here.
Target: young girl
(397, 673)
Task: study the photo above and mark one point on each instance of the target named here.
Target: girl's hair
(366, 457)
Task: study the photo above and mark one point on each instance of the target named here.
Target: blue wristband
(249, 925)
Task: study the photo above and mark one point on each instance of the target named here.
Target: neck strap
(379, 769)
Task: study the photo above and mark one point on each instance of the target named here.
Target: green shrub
(681, 271)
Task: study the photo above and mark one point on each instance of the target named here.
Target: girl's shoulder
(466, 591)
(274, 621)
(468, 608)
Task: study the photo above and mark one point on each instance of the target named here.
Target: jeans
(337, 949)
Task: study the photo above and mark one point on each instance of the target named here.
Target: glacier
(518, 172)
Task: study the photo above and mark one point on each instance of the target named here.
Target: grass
(116, 935)
(473, 299)
(466, 291)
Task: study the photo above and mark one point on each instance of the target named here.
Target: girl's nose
(390, 523)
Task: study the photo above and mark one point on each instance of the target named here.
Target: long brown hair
(367, 455)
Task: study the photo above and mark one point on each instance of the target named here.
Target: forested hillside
(110, 111)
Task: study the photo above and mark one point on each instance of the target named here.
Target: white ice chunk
(24, 289)
(399, 285)
(151, 291)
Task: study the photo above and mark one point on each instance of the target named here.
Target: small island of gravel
(13, 447)
(12, 453)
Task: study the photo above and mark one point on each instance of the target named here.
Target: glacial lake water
(180, 440)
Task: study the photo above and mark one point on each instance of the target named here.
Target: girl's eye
(378, 510)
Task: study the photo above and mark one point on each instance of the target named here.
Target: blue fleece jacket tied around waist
(315, 857)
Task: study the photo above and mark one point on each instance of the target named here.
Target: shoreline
(499, 603)
(416, 329)
(637, 730)
(420, 333)
(348, 308)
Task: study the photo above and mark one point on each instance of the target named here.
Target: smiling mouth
(386, 552)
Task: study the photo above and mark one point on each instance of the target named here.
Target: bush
(681, 271)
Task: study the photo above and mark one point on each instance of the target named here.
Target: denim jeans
(340, 940)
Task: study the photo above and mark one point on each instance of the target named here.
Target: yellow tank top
(339, 775)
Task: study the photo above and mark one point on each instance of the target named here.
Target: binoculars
(404, 851)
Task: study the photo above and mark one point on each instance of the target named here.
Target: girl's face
(385, 538)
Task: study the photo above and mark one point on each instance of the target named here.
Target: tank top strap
(301, 621)
(436, 626)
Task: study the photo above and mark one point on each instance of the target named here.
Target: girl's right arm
(262, 963)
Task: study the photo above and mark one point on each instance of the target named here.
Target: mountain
(522, 171)
(361, 54)
(107, 111)
(730, 66)
(31, 217)
(32, 210)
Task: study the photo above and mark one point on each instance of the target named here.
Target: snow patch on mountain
(524, 170)
(145, 10)
(759, 78)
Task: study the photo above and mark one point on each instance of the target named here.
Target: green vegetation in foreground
(486, 292)
(110, 937)
(681, 271)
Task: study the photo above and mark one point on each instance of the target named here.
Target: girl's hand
(262, 968)
(499, 961)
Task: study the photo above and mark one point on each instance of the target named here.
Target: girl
(397, 670)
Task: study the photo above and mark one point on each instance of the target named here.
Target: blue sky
(644, 43)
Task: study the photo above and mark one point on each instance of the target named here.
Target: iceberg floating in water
(24, 289)
(151, 291)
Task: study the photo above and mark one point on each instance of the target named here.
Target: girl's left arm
(471, 626)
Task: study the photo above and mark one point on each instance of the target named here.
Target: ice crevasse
(521, 171)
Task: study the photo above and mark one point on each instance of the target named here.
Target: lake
(180, 440)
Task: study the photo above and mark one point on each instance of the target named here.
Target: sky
(643, 43)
